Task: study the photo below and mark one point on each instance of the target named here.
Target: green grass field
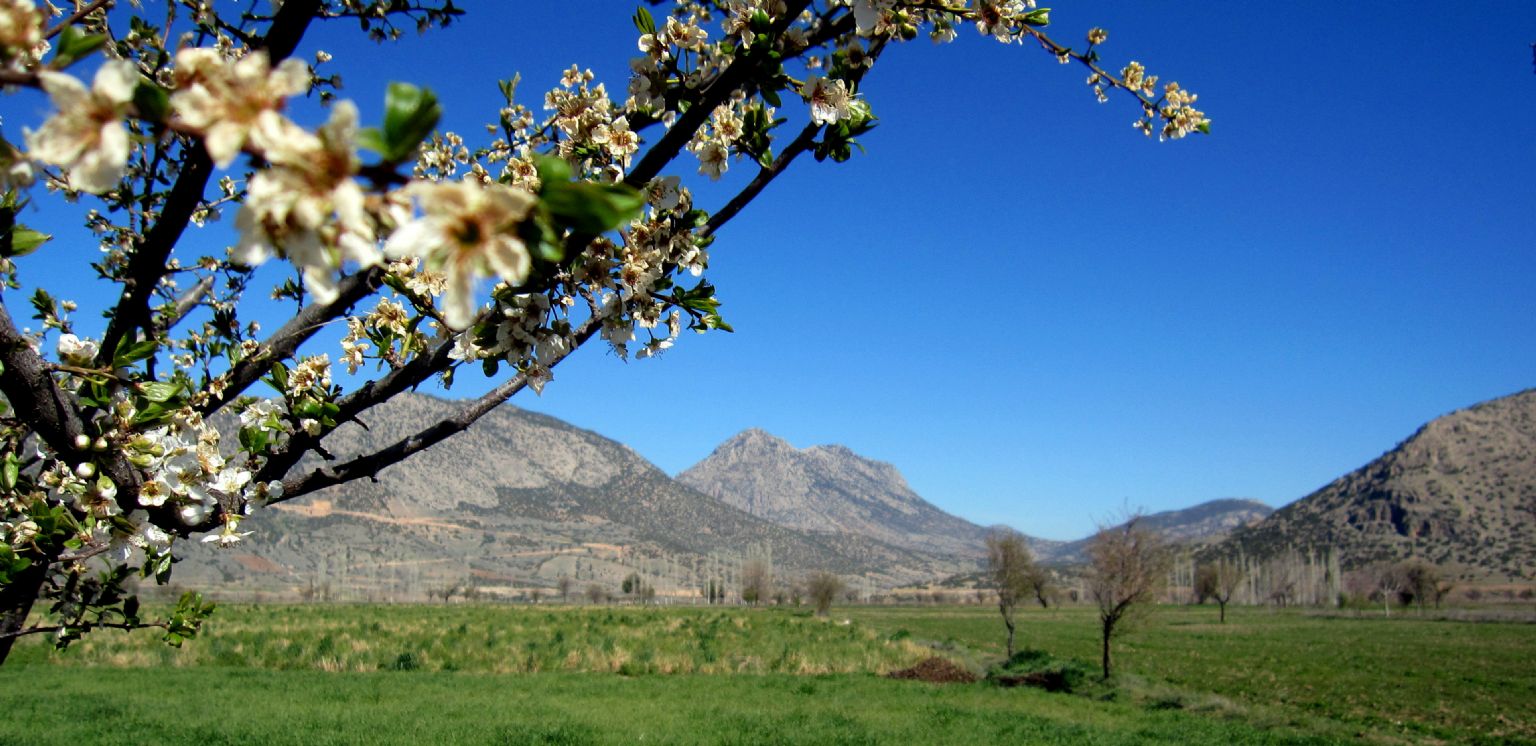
(495, 674)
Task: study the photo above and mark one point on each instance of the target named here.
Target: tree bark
(1009, 623)
(1109, 628)
(16, 600)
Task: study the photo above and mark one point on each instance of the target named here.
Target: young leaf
(152, 102)
(410, 114)
(73, 45)
(24, 241)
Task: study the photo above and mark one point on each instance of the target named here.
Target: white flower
(307, 206)
(21, 29)
(87, 135)
(664, 192)
(464, 348)
(712, 158)
(829, 99)
(233, 103)
(466, 231)
(75, 350)
(867, 14)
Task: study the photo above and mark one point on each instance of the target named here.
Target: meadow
(501, 674)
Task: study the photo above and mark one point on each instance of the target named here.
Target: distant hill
(1460, 492)
(1200, 524)
(825, 489)
(517, 501)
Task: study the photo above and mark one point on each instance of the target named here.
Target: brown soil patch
(259, 564)
(936, 671)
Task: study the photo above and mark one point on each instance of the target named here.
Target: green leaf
(1038, 17)
(129, 353)
(370, 138)
(24, 241)
(644, 21)
(9, 471)
(280, 377)
(551, 169)
(152, 101)
(592, 208)
(73, 45)
(410, 114)
(1203, 128)
(160, 391)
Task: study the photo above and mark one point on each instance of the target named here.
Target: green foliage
(74, 45)
(410, 114)
(1037, 668)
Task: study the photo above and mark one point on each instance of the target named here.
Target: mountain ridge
(1459, 492)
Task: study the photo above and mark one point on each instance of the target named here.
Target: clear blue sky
(1040, 316)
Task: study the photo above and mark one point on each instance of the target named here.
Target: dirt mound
(934, 670)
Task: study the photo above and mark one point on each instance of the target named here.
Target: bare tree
(1040, 583)
(1008, 570)
(1387, 581)
(1226, 578)
(596, 593)
(563, 585)
(823, 588)
(1127, 566)
(756, 580)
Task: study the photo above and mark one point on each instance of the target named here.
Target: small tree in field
(756, 581)
(1009, 566)
(823, 587)
(1219, 582)
(596, 593)
(563, 586)
(433, 255)
(1039, 582)
(1128, 565)
(1422, 581)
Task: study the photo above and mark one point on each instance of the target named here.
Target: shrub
(1040, 669)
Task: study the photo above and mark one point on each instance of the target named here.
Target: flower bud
(85, 470)
(82, 442)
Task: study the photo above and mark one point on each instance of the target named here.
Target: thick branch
(371, 464)
(38, 401)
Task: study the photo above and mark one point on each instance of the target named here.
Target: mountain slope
(828, 489)
(519, 500)
(1460, 492)
(1198, 524)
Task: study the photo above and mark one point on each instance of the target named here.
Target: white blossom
(87, 136)
(466, 231)
(235, 103)
(829, 99)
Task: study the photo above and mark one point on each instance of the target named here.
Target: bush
(1040, 669)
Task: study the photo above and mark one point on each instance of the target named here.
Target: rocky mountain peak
(827, 488)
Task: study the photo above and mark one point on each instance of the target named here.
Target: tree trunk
(1223, 606)
(1009, 623)
(1109, 627)
(16, 601)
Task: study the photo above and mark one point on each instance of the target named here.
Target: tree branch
(370, 465)
(285, 341)
(676, 138)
